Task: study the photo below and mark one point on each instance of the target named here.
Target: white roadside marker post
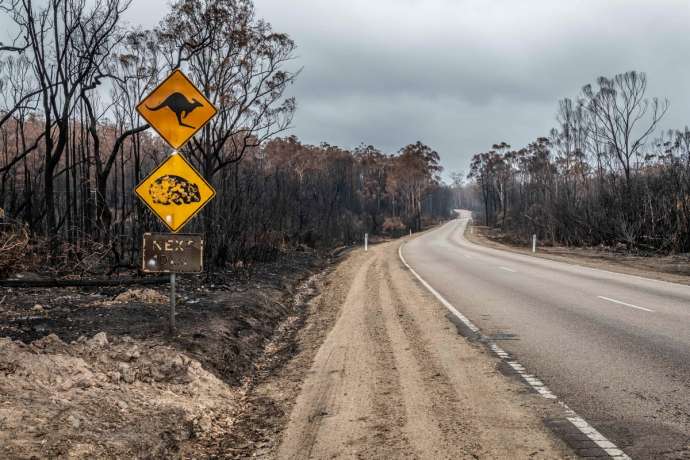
(366, 242)
(172, 302)
(534, 243)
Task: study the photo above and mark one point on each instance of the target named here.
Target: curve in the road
(615, 347)
(537, 385)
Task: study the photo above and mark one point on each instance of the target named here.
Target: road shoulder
(382, 372)
(673, 269)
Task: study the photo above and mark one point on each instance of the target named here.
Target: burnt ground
(222, 322)
(68, 353)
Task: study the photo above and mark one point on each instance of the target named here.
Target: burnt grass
(224, 322)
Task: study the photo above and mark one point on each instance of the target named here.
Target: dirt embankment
(98, 398)
(672, 268)
(92, 373)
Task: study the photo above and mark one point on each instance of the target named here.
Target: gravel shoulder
(382, 373)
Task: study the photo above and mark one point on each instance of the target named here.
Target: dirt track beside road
(394, 379)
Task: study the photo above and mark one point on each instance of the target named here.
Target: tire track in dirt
(432, 402)
(350, 404)
(326, 395)
(389, 404)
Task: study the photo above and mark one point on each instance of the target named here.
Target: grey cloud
(463, 74)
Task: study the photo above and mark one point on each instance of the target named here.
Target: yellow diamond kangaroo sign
(176, 109)
(175, 191)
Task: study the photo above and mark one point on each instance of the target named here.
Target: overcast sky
(460, 75)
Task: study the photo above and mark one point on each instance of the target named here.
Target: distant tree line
(604, 176)
(73, 146)
(286, 193)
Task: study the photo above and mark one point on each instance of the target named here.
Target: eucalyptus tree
(624, 116)
(68, 43)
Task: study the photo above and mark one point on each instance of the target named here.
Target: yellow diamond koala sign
(175, 192)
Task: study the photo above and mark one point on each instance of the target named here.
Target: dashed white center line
(467, 256)
(507, 269)
(624, 303)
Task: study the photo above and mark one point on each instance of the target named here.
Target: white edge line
(536, 384)
(507, 269)
(624, 303)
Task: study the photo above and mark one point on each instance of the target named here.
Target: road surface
(394, 379)
(614, 347)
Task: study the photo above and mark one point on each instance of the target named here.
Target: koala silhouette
(171, 189)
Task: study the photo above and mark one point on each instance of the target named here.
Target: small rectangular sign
(172, 253)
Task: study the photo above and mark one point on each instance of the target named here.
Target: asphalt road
(614, 347)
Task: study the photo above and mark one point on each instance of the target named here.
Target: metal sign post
(175, 192)
(172, 302)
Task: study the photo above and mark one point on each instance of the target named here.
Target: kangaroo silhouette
(180, 105)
